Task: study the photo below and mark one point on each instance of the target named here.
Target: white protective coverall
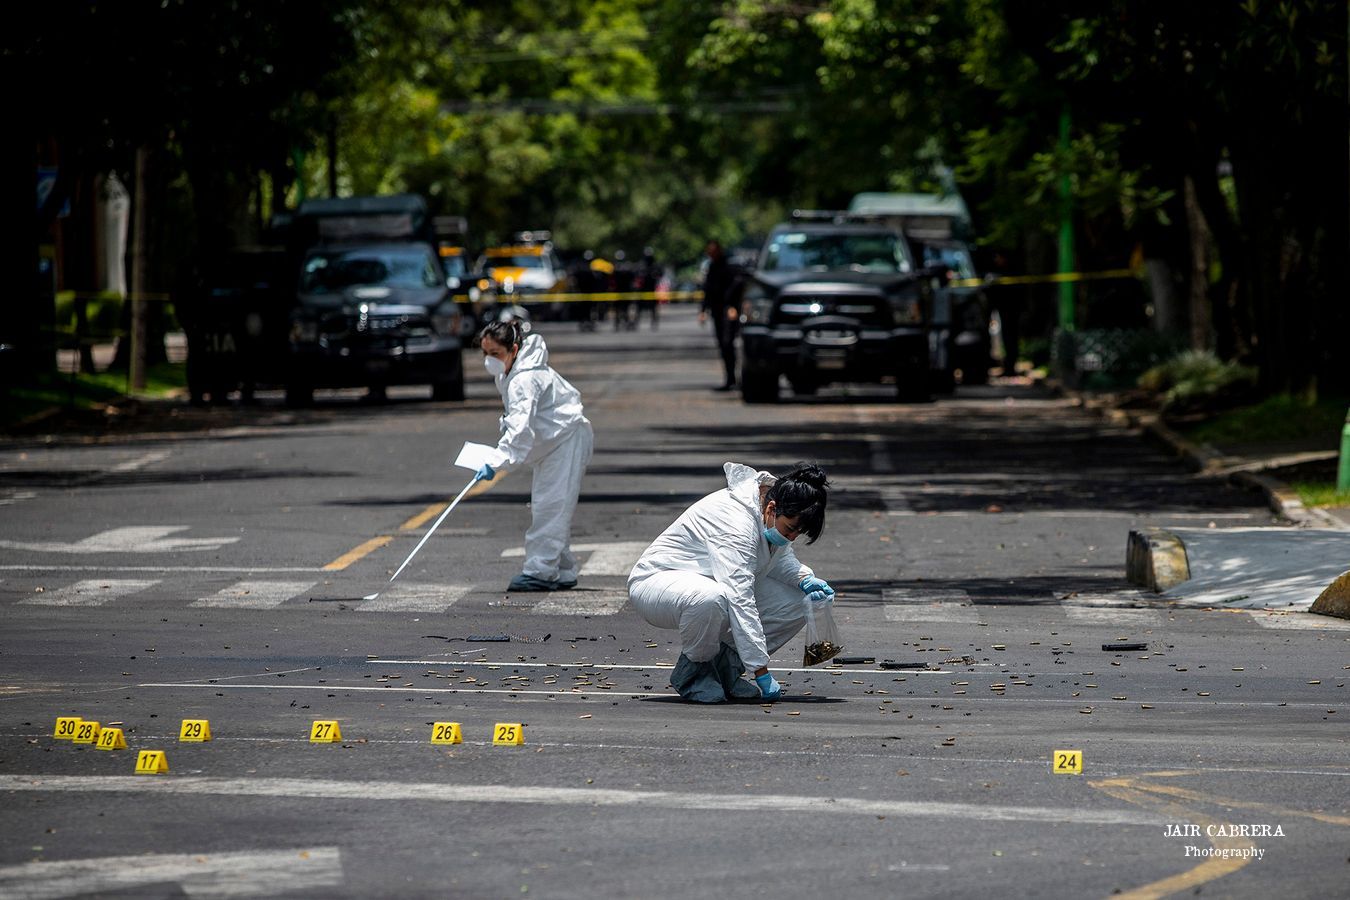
(544, 429)
(714, 576)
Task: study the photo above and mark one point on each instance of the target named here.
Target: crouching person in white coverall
(545, 431)
(725, 575)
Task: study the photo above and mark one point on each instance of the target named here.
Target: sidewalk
(1283, 569)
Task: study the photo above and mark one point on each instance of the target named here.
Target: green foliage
(1278, 418)
(1196, 376)
(49, 391)
(1321, 493)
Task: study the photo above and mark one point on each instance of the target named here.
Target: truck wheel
(299, 395)
(450, 389)
(977, 373)
(759, 387)
(943, 382)
(804, 387)
(911, 386)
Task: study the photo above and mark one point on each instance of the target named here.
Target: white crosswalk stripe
(1106, 615)
(936, 604)
(925, 595)
(582, 603)
(91, 592)
(416, 598)
(614, 558)
(1303, 621)
(933, 612)
(254, 595)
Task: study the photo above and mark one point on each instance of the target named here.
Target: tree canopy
(1211, 137)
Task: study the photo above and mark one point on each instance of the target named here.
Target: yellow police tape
(598, 297)
(1050, 278)
(149, 296)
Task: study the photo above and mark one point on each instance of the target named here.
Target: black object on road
(1139, 646)
(855, 660)
(892, 664)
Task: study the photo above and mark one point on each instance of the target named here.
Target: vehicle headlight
(446, 319)
(756, 304)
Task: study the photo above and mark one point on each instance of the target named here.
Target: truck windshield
(790, 251)
(956, 259)
(328, 271)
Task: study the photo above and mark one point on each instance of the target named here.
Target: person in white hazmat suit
(545, 431)
(724, 574)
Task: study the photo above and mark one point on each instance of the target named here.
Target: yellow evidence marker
(65, 727)
(151, 762)
(446, 733)
(325, 731)
(1067, 762)
(194, 731)
(111, 739)
(508, 734)
(86, 732)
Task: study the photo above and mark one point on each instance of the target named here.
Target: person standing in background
(719, 304)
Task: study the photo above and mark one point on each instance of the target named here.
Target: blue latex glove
(817, 590)
(769, 689)
(486, 473)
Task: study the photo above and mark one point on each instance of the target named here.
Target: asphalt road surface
(164, 572)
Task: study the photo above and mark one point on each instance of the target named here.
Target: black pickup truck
(834, 301)
(373, 307)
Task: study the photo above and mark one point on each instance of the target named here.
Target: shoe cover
(697, 682)
(729, 670)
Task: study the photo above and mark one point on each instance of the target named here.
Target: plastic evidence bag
(822, 635)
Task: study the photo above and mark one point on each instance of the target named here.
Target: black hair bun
(808, 473)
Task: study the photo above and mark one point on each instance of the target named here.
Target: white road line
(1300, 621)
(558, 691)
(925, 595)
(140, 462)
(254, 595)
(1121, 600)
(1159, 518)
(936, 612)
(94, 592)
(613, 559)
(1113, 616)
(12, 497)
(244, 570)
(129, 539)
(514, 664)
(415, 598)
(263, 873)
(576, 603)
(439, 792)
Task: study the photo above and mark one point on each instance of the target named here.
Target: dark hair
(508, 334)
(801, 492)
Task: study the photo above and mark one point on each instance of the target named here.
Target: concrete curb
(1156, 559)
(1335, 600)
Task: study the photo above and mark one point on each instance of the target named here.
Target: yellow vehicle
(525, 271)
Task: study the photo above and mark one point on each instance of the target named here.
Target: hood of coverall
(533, 355)
(743, 482)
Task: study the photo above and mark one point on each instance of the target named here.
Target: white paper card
(474, 456)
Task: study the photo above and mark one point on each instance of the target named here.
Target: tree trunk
(1201, 241)
(332, 158)
(139, 258)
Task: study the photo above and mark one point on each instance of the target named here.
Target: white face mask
(495, 367)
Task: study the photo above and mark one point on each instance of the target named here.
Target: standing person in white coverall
(725, 575)
(543, 429)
